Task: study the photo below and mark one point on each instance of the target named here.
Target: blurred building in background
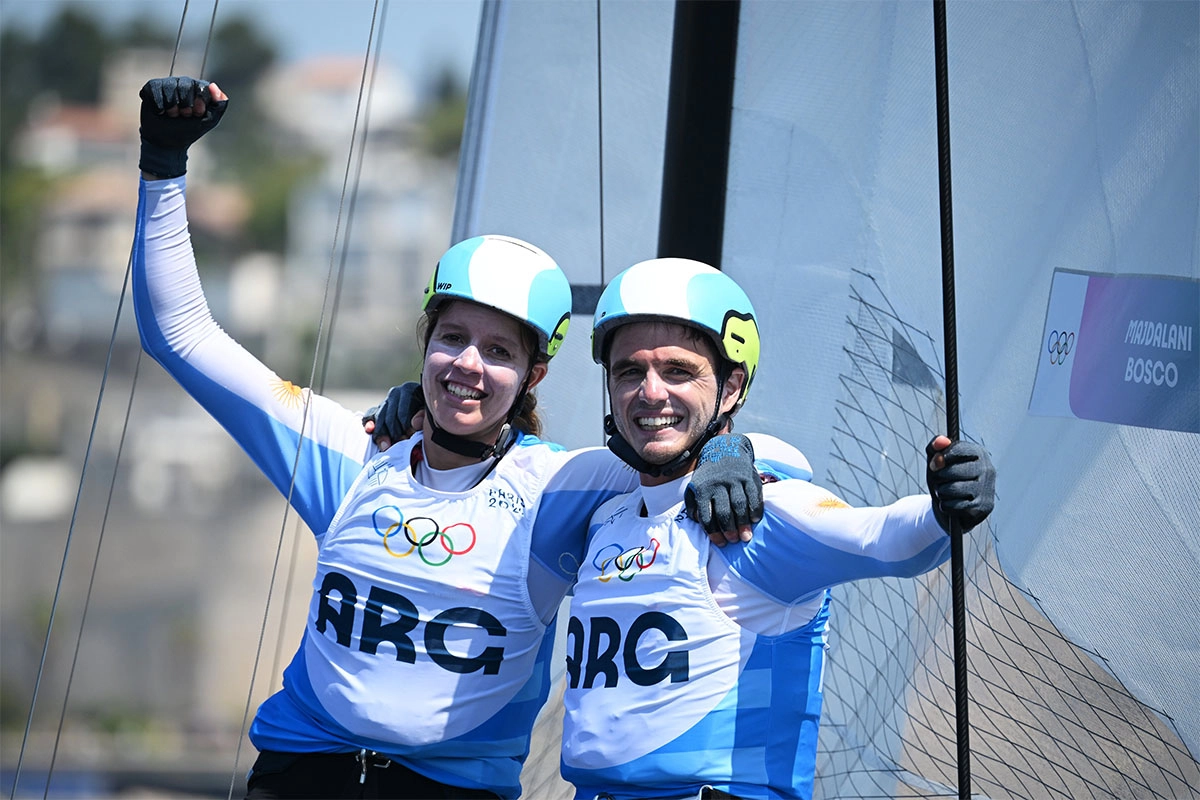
(389, 233)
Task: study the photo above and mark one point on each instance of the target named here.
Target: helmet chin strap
(623, 450)
(472, 448)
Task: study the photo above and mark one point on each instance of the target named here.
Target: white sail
(1075, 147)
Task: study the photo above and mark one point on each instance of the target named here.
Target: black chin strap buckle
(610, 425)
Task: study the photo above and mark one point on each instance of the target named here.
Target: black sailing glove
(726, 490)
(165, 140)
(393, 417)
(965, 488)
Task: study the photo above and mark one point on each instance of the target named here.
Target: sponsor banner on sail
(1121, 348)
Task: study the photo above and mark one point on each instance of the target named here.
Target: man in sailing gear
(690, 665)
(728, 493)
(711, 305)
(428, 643)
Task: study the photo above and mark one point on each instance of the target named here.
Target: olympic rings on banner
(628, 562)
(419, 541)
(1059, 345)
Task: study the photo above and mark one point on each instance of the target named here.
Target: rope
(340, 268)
(958, 590)
(318, 383)
(604, 409)
(112, 484)
(208, 40)
(179, 36)
(325, 304)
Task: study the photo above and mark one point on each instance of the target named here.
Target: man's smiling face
(662, 381)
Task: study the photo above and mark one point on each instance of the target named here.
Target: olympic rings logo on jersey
(625, 563)
(420, 534)
(1059, 345)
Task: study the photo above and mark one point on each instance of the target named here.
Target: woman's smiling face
(475, 363)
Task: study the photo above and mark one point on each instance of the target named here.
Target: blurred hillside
(181, 531)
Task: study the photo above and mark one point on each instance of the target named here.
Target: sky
(420, 36)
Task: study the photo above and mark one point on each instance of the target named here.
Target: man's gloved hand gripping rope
(962, 482)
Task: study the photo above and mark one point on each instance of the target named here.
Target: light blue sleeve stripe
(782, 471)
(776, 457)
(790, 565)
(323, 476)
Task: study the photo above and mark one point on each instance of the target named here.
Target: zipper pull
(362, 760)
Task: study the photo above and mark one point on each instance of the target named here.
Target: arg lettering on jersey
(390, 617)
(1121, 349)
(605, 643)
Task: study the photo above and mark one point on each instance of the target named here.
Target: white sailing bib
(420, 627)
(649, 654)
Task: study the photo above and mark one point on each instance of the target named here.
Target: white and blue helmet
(509, 275)
(685, 292)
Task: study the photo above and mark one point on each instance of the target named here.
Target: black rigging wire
(208, 39)
(137, 367)
(322, 374)
(600, 131)
(600, 161)
(957, 579)
(318, 382)
(325, 306)
(78, 498)
(179, 37)
(112, 484)
(66, 553)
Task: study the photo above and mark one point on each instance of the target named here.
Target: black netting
(1047, 721)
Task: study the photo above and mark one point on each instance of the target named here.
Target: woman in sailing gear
(700, 668)
(441, 563)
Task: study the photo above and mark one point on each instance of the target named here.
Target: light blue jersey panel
(422, 642)
(809, 540)
(583, 480)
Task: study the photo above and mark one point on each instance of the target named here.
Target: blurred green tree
(239, 55)
(70, 56)
(22, 195)
(443, 116)
(19, 83)
(66, 61)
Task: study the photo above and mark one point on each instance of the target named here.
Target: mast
(699, 115)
